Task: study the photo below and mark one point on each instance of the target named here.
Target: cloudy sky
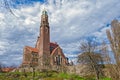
(71, 21)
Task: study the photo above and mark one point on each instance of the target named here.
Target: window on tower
(43, 22)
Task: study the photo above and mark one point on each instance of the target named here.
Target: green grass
(70, 76)
(47, 75)
(106, 79)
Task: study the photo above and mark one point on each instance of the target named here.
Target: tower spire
(44, 12)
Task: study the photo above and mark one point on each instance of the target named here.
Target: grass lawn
(49, 75)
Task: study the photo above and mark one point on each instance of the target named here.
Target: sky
(71, 21)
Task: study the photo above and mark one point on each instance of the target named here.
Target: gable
(58, 51)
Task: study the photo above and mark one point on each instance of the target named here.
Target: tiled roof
(53, 44)
(32, 49)
(8, 69)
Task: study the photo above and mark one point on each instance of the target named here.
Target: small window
(58, 60)
(43, 22)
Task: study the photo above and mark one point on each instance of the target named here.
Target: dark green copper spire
(44, 12)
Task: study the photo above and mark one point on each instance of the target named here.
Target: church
(45, 53)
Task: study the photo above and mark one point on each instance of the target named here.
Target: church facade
(45, 53)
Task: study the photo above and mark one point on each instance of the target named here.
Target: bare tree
(91, 57)
(0, 67)
(114, 38)
(105, 53)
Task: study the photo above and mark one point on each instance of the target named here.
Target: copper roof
(32, 49)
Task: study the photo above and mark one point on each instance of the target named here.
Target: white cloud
(18, 58)
(1, 16)
(28, 21)
(101, 34)
(70, 20)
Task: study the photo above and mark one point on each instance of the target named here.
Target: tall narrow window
(58, 60)
(61, 60)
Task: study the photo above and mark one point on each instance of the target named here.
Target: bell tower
(44, 34)
(44, 40)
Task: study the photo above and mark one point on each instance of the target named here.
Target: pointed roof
(44, 12)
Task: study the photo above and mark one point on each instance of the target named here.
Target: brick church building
(45, 53)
